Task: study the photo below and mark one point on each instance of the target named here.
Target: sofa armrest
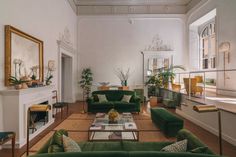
(44, 148)
(193, 141)
(136, 99)
(90, 100)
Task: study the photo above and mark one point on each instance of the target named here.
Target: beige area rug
(78, 125)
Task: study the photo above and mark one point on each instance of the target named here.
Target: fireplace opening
(38, 119)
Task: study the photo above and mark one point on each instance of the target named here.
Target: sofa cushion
(126, 98)
(144, 146)
(70, 145)
(109, 103)
(101, 146)
(166, 154)
(180, 146)
(102, 98)
(54, 148)
(202, 150)
(123, 104)
(57, 137)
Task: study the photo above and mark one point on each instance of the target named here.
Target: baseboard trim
(207, 127)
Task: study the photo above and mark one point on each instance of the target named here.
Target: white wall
(226, 24)
(43, 19)
(110, 42)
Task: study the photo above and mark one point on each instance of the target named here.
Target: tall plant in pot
(86, 81)
(86, 84)
(153, 83)
(167, 75)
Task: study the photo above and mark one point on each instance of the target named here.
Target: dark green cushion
(55, 148)
(122, 103)
(202, 150)
(100, 146)
(86, 154)
(166, 154)
(103, 103)
(144, 146)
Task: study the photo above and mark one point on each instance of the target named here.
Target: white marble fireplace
(15, 106)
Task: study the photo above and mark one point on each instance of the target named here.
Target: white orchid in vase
(34, 71)
(51, 68)
(18, 63)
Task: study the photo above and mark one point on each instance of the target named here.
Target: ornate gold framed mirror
(23, 55)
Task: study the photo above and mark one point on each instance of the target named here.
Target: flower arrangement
(51, 68)
(113, 115)
(17, 82)
(34, 71)
(123, 76)
(19, 63)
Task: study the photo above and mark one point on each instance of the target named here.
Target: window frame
(207, 32)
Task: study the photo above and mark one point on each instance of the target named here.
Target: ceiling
(85, 7)
(130, 2)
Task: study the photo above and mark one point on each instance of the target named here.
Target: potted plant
(123, 76)
(153, 84)
(16, 82)
(51, 68)
(86, 81)
(167, 75)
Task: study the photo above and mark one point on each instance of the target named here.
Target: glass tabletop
(124, 122)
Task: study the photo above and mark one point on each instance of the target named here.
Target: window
(208, 44)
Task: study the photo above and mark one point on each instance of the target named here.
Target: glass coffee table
(103, 130)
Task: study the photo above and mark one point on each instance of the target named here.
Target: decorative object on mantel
(17, 64)
(211, 108)
(104, 83)
(17, 82)
(158, 45)
(225, 48)
(51, 68)
(103, 86)
(123, 76)
(86, 84)
(22, 52)
(34, 72)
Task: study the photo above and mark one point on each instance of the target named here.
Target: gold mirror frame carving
(8, 55)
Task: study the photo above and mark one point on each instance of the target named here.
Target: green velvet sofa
(114, 98)
(131, 149)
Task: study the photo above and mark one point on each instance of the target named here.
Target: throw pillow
(202, 150)
(70, 145)
(180, 146)
(102, 98)
(55, 148)
(57, 137)
(126, 98)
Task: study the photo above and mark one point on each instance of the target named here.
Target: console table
(15, 107)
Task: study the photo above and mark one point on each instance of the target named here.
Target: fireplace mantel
(15, 107)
